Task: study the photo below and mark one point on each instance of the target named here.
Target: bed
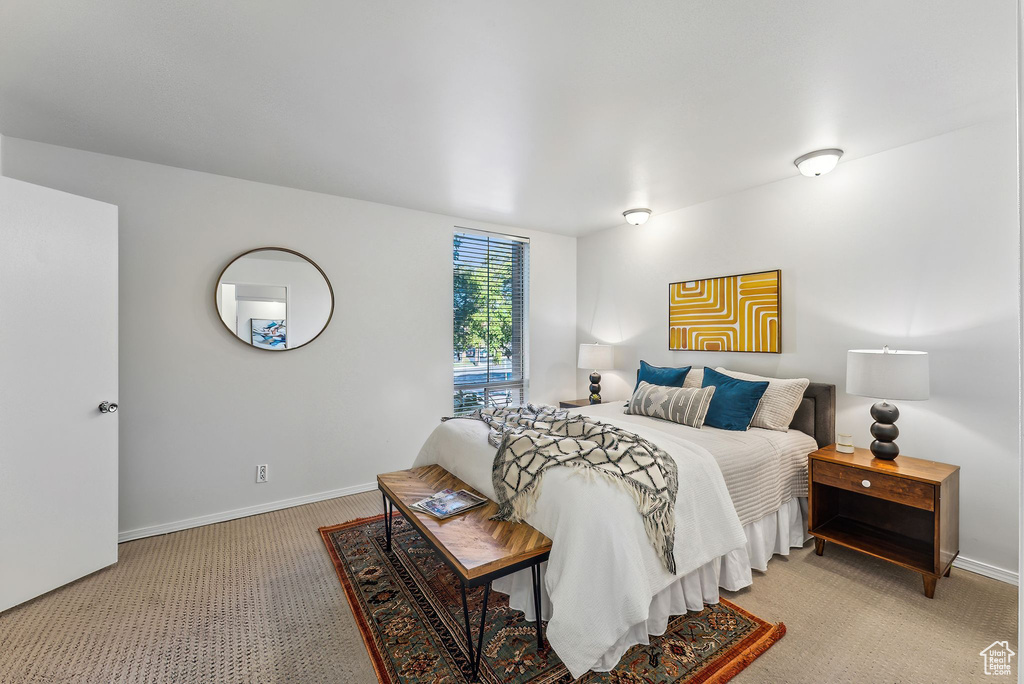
(742, 499)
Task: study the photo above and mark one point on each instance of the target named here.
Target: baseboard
(977, 567)
(179, 525)
(961, 562)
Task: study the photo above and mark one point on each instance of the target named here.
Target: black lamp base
(595, 388)
(884, 431)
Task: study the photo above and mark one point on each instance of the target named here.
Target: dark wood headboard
(817, 413)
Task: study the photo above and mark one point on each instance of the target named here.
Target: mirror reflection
(274, 299)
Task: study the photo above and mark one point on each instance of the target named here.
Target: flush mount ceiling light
(637, 217)
(819, 162)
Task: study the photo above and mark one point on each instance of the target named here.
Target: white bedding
(762, 468)
(604, 584)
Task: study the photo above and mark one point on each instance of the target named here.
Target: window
(490, 275)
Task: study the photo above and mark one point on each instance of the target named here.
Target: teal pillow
(734, 402)
(666, 377)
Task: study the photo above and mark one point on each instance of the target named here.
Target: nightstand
(575, 403)
(905, 511)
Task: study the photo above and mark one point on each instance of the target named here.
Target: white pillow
(780, 400)
(695, 378)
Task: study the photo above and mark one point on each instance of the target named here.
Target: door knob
(108, 407)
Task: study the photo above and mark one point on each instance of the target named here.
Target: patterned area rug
(409, 609)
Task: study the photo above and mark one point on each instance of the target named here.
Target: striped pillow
(686, 405)
(780, 400)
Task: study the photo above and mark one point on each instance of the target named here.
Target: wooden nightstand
(905, 511)
(575, 403)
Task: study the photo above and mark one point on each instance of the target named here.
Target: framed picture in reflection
(269, 333)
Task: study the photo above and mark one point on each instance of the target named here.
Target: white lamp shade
(887, 374)
(596, 357)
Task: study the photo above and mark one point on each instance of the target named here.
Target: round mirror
(274, 298)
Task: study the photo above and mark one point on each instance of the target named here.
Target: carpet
(408, 608)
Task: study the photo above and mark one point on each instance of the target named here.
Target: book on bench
(448, 502)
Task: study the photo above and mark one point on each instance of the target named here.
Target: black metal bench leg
(387, 519)
(480, 637)
(535, 574)
(465, 618)
(475, 655)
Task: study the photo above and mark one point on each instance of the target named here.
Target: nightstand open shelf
(904, 511)
(909, 552)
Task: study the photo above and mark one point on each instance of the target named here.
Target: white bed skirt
(775, 533)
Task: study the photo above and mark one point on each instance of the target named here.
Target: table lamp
(886, 374)
(596, 357)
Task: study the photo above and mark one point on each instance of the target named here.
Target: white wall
(227, 305)
(916, 247)
(358, 401)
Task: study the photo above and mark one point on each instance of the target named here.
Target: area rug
(408, 607)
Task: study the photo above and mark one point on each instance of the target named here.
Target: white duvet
(603, 571)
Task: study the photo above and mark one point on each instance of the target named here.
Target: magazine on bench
(448, 502)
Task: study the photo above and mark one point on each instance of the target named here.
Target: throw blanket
(532, 439)
(603, 572)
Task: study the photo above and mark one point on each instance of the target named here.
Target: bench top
(473, 545)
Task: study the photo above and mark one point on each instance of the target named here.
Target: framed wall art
(739, 313)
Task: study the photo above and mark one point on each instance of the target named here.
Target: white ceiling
(549, 115)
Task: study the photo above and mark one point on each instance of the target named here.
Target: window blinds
(490, 276)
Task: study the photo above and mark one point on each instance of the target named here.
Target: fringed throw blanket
(534, 438)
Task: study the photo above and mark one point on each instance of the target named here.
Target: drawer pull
(866, 483)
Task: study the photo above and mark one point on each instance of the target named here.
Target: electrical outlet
(261, 473)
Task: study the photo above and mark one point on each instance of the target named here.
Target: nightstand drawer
(901, 490)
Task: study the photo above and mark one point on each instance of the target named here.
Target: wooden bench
(475, 547)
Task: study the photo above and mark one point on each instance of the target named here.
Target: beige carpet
(256, 600)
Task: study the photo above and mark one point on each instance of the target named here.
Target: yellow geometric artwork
(739, 313)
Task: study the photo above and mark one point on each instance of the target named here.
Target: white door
(58, 362)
